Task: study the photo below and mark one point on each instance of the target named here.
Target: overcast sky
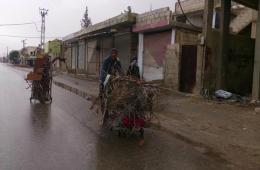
(63, 18)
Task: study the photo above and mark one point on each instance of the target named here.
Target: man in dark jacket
(111, 65)
(133, 70)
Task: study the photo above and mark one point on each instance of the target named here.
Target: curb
(80, 77)
(83, 94)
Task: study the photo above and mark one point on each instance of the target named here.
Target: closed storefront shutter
(155, 45)
(74, 56)
(123, 44)
(68, 57)
(81, 56)
(97, 51)
(92, 57)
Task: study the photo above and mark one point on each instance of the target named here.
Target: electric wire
(187, 18)
(18, 24)
(19, 36)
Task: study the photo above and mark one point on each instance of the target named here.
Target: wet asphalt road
(66, 136)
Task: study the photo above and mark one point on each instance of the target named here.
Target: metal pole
(43, 13)
(256, 74)
(24, 43)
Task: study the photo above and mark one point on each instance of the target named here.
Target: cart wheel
(141, 133)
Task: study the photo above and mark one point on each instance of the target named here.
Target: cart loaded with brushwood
(40, 79)
(127, 104)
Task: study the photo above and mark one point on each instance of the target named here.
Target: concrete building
(53, 48)
(28, 55)
(241, 16)
(85, 50)
(167, 49)
(158, 32)
(229, 53)
(155, 33)
(191, 63)
(194, 50)
(152, 36)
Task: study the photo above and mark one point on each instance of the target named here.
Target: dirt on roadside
(230, 131)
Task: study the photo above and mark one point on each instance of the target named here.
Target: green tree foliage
(86, 21)
(14, 56)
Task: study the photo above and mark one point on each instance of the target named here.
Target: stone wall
(173, 60)
(185, 37)
(153, 19)
(171, 68)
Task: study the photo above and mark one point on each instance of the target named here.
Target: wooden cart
(40, 80)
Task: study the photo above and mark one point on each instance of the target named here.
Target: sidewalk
(84, 88)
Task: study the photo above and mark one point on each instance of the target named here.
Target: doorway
(188, 68)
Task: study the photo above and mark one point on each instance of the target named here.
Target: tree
(14, 56)
(86, 21)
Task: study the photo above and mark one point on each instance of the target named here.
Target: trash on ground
(223, 94)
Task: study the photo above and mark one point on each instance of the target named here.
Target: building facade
(54, 49)
(28, 55)
(85, 50)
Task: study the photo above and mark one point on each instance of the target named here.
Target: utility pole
(43, 13)
(24, 43)
(7, 54)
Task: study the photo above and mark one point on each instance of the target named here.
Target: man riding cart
(40, 79)
(124, 99)
(110, 67)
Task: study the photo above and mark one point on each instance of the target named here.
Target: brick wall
(171, 68)
(153, 19)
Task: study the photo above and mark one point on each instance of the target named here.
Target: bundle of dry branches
(126, 96)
